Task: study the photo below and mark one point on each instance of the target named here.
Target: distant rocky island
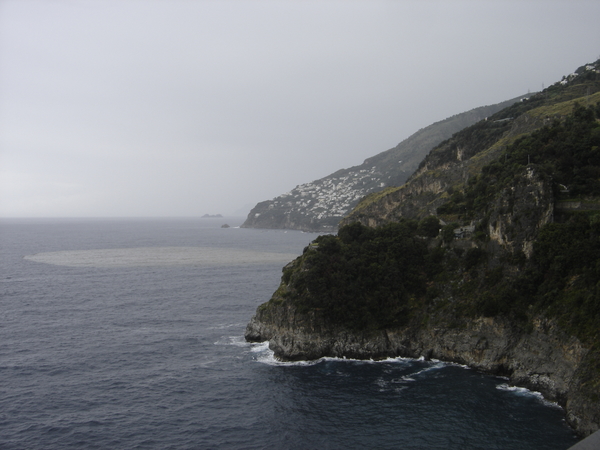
(212, 216)
(320, 205)
(489, 255)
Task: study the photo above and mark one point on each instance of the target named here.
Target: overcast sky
(183, 107)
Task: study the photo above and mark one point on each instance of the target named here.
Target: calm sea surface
(128, 334)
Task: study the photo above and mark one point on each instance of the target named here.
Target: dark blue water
(141, 346)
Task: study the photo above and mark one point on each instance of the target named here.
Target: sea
(128, 334)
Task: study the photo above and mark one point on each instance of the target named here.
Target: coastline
(543, 360)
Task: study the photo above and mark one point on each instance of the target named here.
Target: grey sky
(182, 107)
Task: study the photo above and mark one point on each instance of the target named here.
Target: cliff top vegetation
(381, 277)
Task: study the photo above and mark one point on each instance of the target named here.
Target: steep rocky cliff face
(470, 261)
(321, 204)
(521, 211)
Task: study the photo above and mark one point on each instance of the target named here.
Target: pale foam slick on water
(160, 256)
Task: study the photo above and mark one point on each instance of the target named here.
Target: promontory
(489, 255)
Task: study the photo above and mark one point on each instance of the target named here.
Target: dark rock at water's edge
(319, 206)
(542, 359)
(225, 225)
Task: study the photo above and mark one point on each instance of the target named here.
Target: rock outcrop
(543, 358)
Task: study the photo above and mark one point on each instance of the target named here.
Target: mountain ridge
(320, 205)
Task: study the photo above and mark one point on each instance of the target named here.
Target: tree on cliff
(364, 277)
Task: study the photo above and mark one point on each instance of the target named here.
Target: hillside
(448, 166)
(488, 256)
(321, 204)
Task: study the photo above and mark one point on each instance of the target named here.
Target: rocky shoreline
(543, 359)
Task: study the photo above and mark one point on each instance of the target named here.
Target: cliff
(488, 256)
(543, 359)
(451, 164)
(321, 204)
